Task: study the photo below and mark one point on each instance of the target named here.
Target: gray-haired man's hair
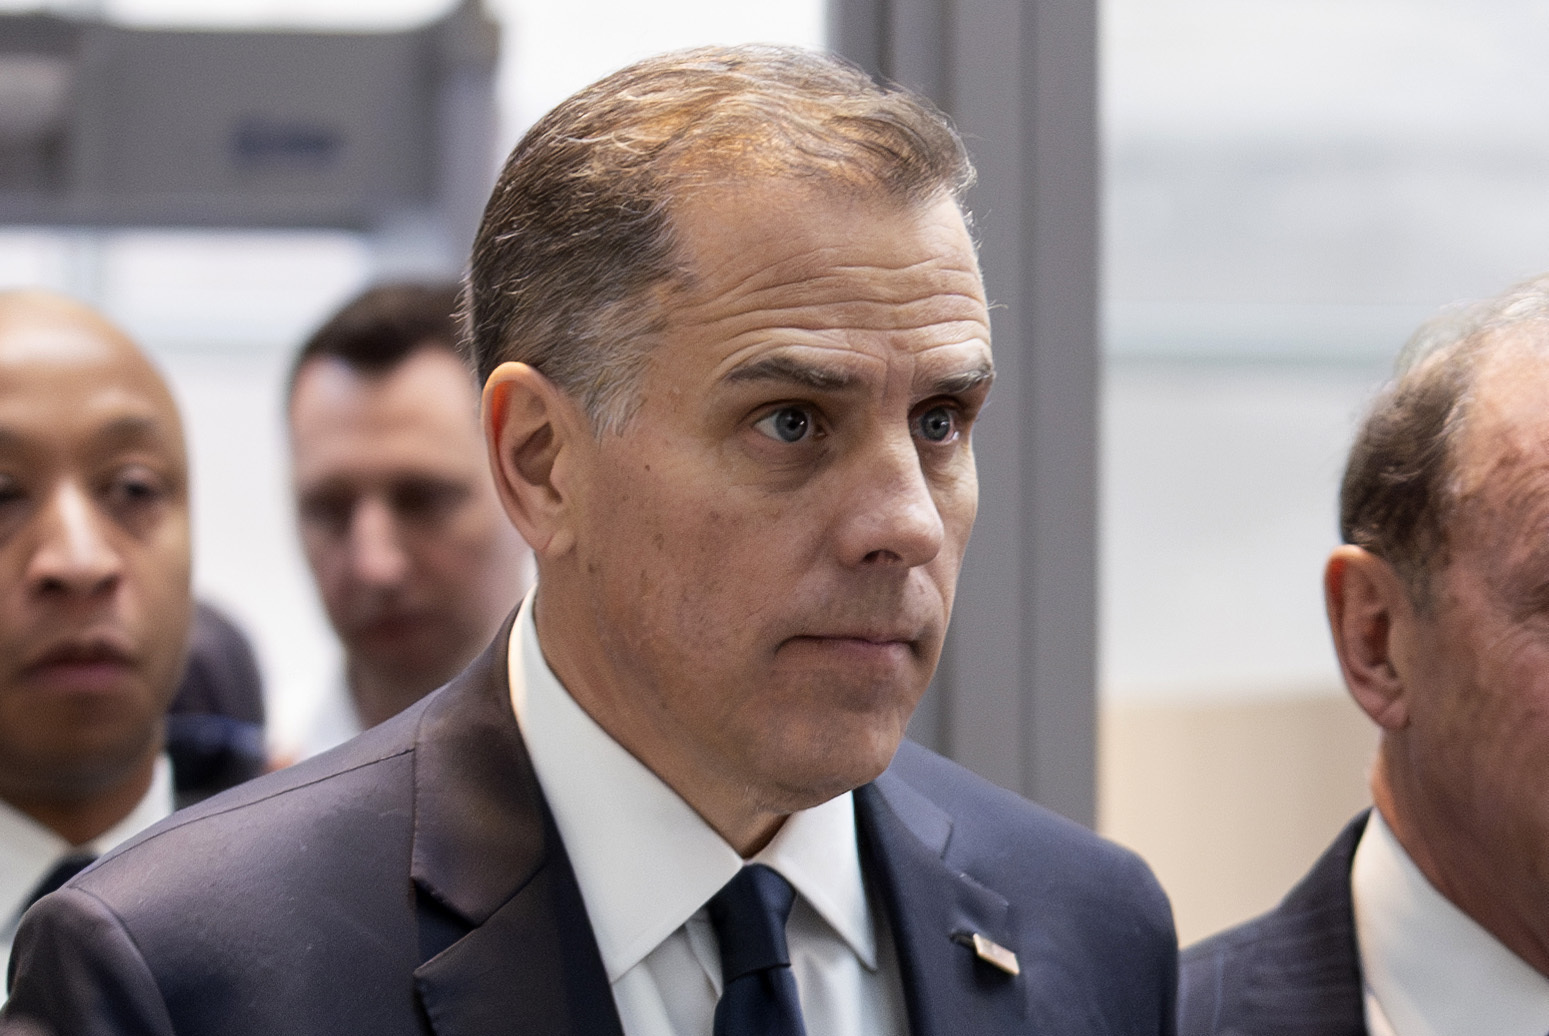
(1401, 484)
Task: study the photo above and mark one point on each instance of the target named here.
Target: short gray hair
(1401, 486)
(576, 254)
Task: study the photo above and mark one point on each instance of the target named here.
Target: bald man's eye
(13, 503)
(135, 491)
(789, 424)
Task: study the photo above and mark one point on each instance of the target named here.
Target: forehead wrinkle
(923, 319)
(829, 285)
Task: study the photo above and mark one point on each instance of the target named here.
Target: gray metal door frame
(1015, 697)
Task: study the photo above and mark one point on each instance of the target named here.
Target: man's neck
(730, 810)
(378, 697)
(1493, 888)
(79, 819)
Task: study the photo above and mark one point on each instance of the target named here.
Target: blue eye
(787, 424)
(938, 424)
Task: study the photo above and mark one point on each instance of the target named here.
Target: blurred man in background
(215, 724)
(94, 592)
(1430, 913)
(414, 560)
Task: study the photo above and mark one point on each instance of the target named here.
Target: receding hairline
(588, 203)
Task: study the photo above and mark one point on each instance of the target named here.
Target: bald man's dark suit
(413, 882)
(1295, 971)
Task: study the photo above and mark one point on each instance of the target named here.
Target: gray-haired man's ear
(1370, 614)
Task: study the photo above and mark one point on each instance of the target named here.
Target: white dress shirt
(1429, 969)
(647, 863)
(29, 851)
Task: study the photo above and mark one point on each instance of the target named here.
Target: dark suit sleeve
(77, 972)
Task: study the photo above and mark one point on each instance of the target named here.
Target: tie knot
(63, 871)
(749, 916)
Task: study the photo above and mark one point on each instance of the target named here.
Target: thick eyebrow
(790, 369)
(813, 376)
(116, 434)
(132, 431)
(964, 381)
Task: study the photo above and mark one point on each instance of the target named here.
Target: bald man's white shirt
(29, 851)
(646, 864)
(1427, 968)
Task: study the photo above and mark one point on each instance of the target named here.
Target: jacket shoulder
(997, 827)
(1292, 971)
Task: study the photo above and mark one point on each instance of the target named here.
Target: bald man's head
(94, 563)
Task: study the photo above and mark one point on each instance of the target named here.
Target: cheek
(162, 574)
(958, 500)
(326, 557)
(687, 566)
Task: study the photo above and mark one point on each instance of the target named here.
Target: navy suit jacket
(1295, 971)
(413, 882)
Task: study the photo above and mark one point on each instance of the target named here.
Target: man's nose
(892, 515)
(75, 551)
(377, 555)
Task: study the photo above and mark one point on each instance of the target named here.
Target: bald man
(94, 592)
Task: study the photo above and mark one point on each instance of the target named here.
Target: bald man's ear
(1370, 615)
(536, 436)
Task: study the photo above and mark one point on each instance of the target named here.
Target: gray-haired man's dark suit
(413, 882)
(1295, 971)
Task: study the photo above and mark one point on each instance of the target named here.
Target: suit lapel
(1305, 975)
(503, 929)
(933, 910)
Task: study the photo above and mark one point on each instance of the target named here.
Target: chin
(813, 778)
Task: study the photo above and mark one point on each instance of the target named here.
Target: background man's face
(399, 520)
(772, 544)
(1478, 735)
(94, 555)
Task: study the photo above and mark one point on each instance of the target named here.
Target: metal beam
(1015, 697)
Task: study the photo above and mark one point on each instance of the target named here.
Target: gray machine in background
(386, 133)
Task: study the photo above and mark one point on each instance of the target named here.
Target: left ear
(1369, 613)
(536, 437)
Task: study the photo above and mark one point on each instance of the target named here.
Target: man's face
(94, 553)
(414, 559)
(1478, 667)
(771, 545)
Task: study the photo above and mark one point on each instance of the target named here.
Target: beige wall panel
(1230, 802)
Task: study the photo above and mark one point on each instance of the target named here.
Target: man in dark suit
(733, 340)
(1430, 913)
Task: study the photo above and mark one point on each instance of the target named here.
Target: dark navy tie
(63, 871)
(758, 992)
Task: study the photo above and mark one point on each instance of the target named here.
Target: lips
(859, 646)
(84, 664)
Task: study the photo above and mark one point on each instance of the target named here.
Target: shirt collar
(1433, 969)
(644, 860)
(29, 850)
